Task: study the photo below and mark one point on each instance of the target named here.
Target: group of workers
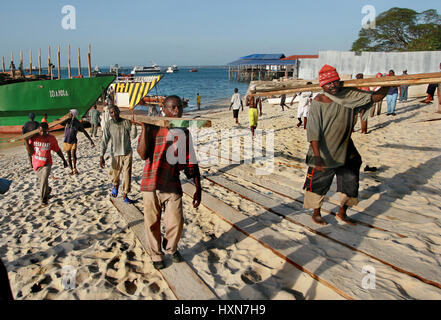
(329, 119)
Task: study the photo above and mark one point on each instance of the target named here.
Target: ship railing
(135, 79)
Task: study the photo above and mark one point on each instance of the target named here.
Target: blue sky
(185, 32)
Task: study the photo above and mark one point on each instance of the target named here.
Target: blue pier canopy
(262, 60)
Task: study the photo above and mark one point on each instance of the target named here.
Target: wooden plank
(415, 79)
(333, 265)
(36, 131)
(142, 116)
(182, 280)
(387, 220)
(383, 247)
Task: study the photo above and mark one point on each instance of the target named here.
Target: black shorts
(236, 113)
(348, 176)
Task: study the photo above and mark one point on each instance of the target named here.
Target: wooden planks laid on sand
(142, 116)
(333, 265)
(34, 132)
(387, 249)
(414, 79)
(182, 280)
(387, 219)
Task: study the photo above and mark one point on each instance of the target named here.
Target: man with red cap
(331, 151)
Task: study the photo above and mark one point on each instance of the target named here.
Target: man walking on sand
(377, 105)
(282, 102)
(198, 101)
(94, 121)
(331, 151)
(40, 146)
(160, 183)
(29, 126)
(253, 102)
(305, 99)
(391, 97)
(363, 113)
(236, 104)
(73, 125)
(117, 131)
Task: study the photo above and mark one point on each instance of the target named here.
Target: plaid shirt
(161, 173)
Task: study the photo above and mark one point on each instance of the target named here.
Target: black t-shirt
(70, 132)
(29, 126)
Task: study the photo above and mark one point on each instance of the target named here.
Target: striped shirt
(168, 153)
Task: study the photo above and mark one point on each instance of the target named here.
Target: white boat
(172, 69)
(152, 69)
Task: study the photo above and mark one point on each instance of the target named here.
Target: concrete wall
(370, 63)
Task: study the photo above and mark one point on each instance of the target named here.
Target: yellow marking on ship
(134, 93)
(131, 89)
(140, 92)
(136, 90)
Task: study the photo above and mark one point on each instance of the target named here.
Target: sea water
(211, 82)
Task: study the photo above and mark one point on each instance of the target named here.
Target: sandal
(127, 200)
(75, 171)
(114, 192)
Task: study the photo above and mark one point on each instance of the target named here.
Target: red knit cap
(327, 74)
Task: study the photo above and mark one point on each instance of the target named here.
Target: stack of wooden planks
(276, 88)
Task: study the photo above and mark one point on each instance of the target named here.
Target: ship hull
(54, 97)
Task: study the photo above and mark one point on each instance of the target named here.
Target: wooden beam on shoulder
(413, 79)
(36, 131)
(142, 116)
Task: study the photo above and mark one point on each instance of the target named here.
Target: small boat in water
(194, 70)
(154, 68)
(172, 69)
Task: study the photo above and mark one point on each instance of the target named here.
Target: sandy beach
(274, 251)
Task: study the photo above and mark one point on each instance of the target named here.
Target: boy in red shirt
(40, 146)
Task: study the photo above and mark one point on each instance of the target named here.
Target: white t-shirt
(304, 99)
(235, 100)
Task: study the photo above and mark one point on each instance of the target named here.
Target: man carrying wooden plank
(332, 152)
(160, 184)
(117, 130)
(253, 115)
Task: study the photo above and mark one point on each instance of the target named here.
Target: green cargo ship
(54, 97)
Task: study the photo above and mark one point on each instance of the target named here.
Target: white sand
(81, 228)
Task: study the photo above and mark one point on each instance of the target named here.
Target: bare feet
(341, 215)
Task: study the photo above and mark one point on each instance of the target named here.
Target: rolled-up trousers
(122, 164)
(173, 222)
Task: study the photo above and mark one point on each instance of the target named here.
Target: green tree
(401, 29)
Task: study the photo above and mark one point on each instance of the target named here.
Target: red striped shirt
(169, 152)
